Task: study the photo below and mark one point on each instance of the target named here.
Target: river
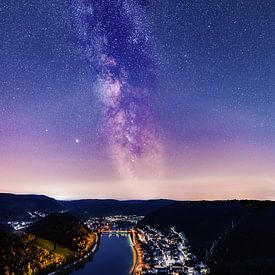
(114, 256)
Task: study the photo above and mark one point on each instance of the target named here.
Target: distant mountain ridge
(105, 207)
(16, 207)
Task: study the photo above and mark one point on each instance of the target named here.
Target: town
(167, 252)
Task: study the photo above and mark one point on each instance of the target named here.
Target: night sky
(138, 99)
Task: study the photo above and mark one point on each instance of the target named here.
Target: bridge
(116, 231)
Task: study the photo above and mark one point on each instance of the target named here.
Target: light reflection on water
(114, 256)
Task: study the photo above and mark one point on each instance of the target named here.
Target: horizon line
(60, 198)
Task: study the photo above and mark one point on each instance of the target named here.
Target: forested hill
(47, 245)
(16, 207)
(249, 247)
(61, 228)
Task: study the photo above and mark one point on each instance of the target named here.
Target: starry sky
(139, 99)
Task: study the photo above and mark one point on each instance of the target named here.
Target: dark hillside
(202, 222)
(47, 245)
(16, 207)
(61, 228)
(249, 247)
(94, 207)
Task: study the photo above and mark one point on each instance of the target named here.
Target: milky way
(92, 90)
(115, 38)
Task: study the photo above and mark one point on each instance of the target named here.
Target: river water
(114, 256)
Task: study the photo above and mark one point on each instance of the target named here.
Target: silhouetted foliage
(62, 228)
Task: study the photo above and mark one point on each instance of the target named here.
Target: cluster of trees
(47, 245)
(64, 229)
(19, 256)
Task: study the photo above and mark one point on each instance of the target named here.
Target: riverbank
(137, 254)
(80, 262)
(134, 252)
